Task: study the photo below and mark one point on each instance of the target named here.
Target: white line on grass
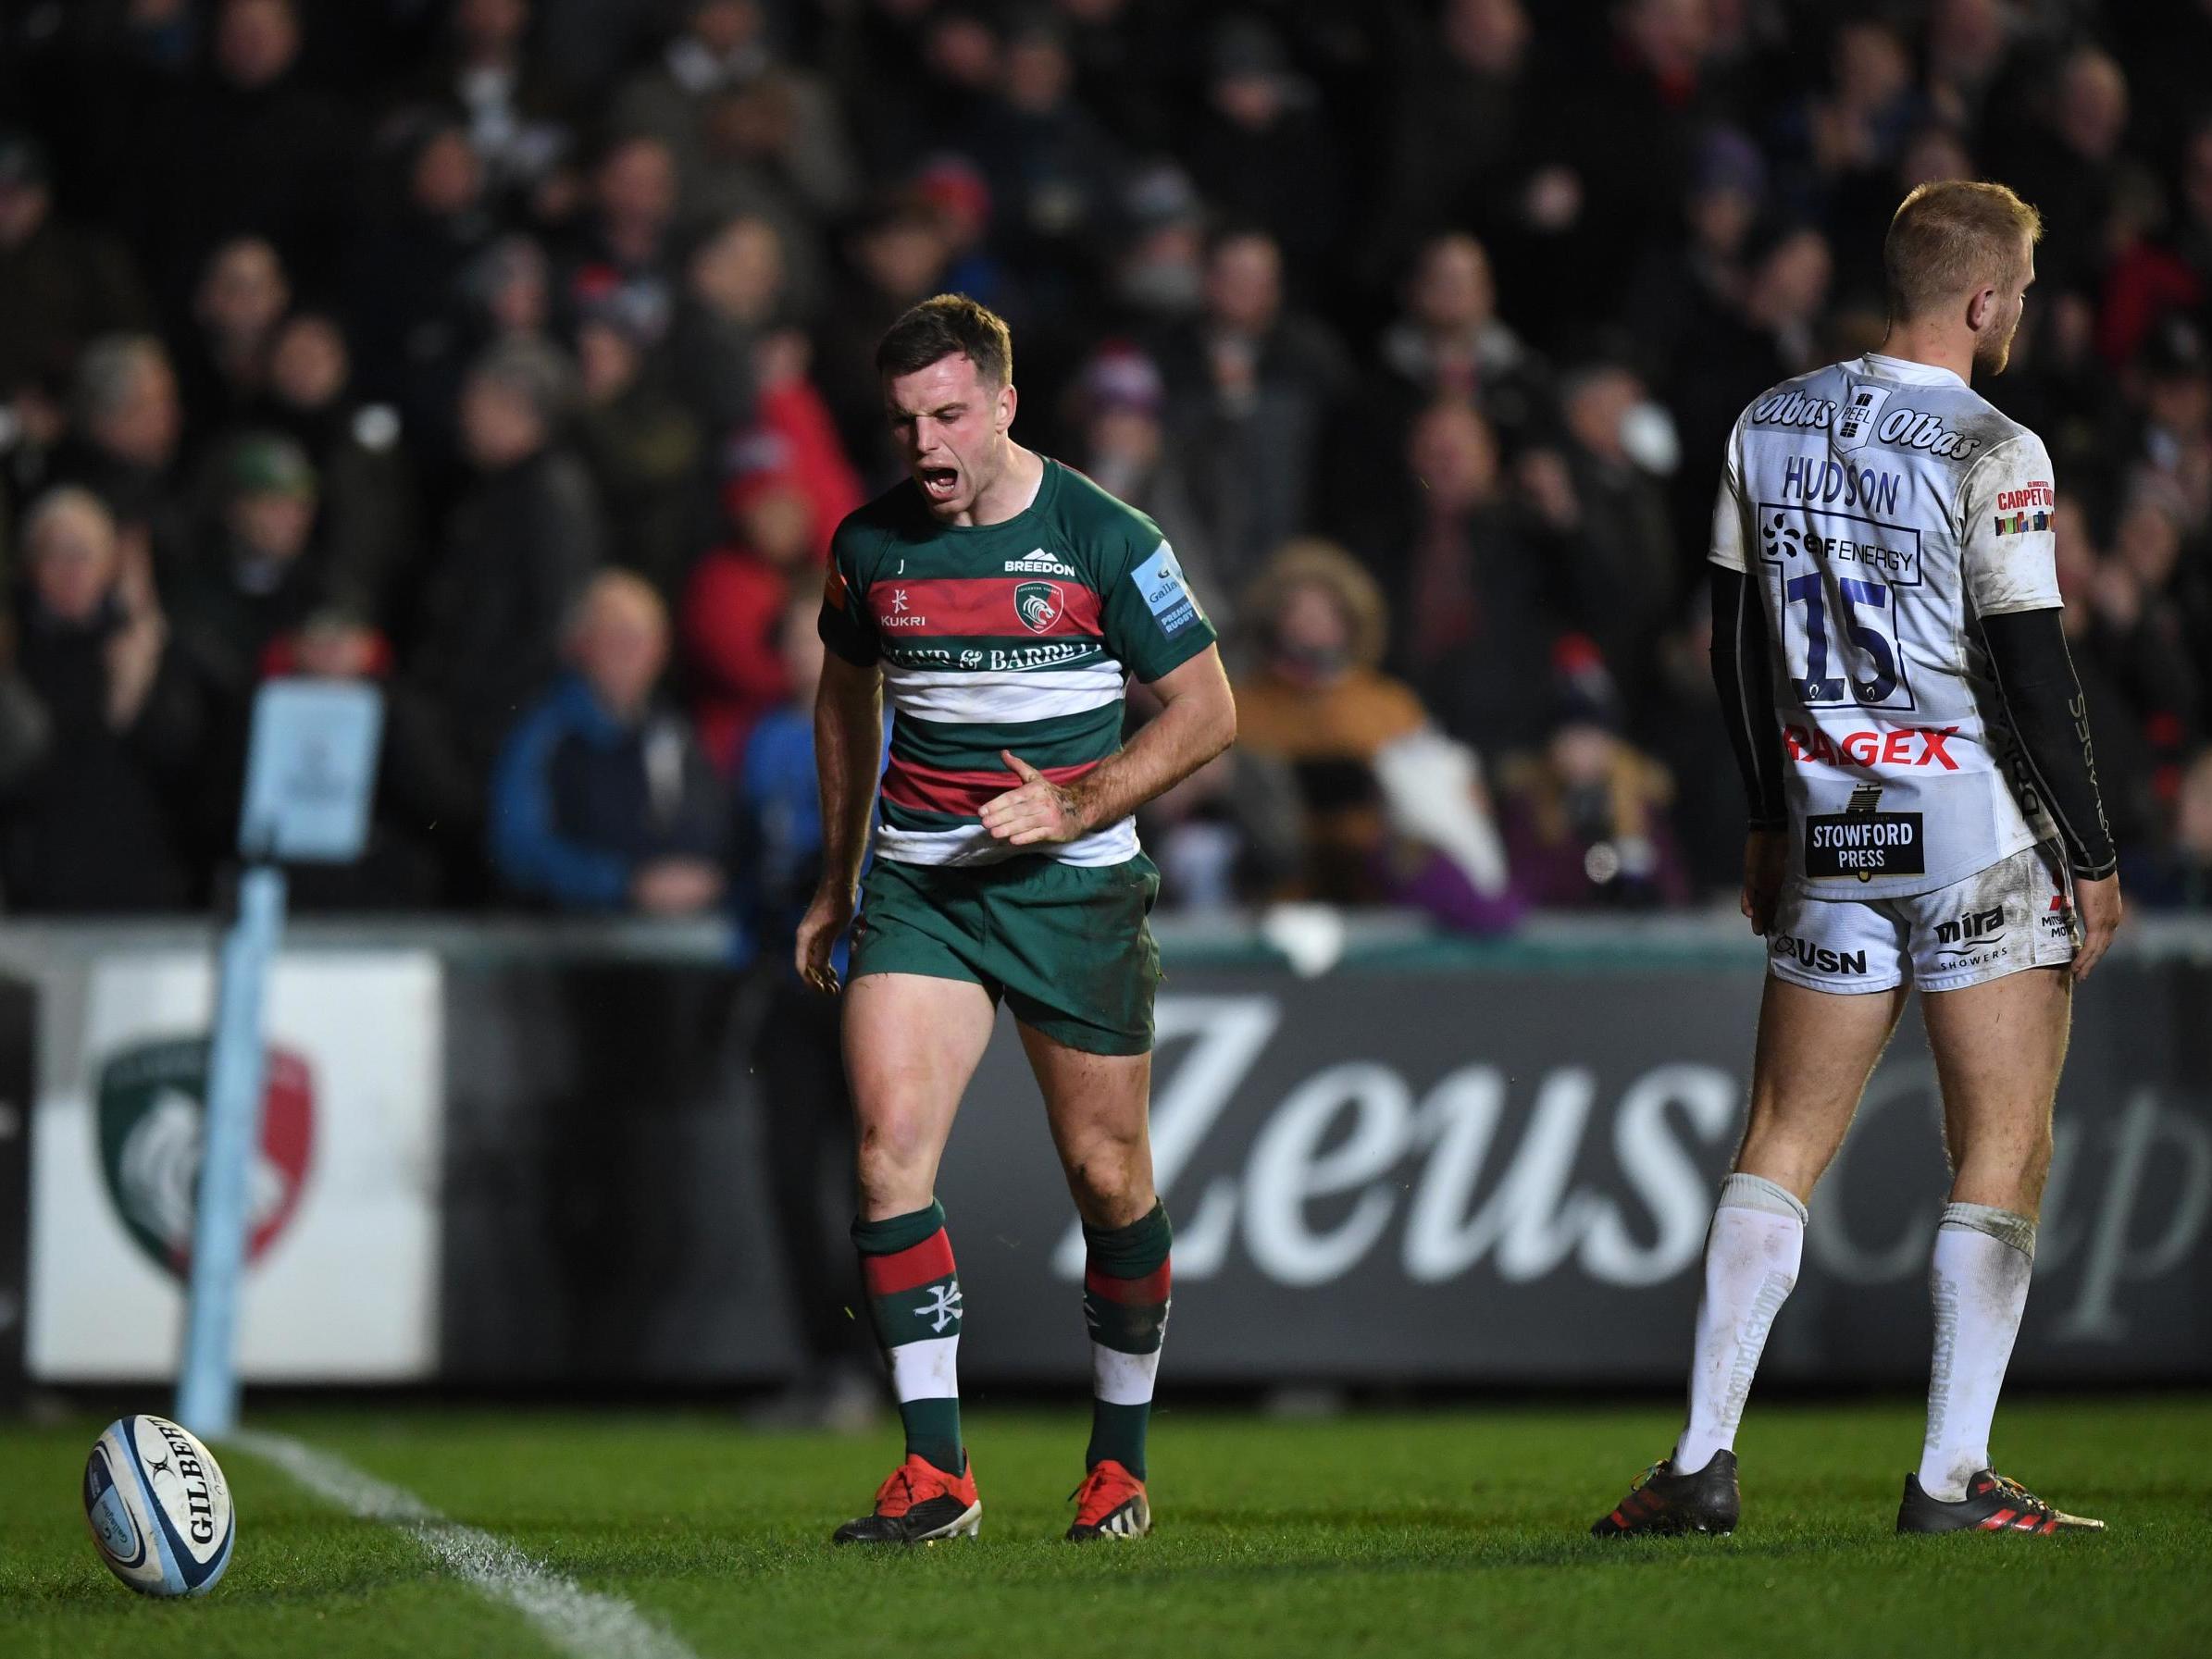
(575, 1619)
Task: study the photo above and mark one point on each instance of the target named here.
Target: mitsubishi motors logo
(153, 1104)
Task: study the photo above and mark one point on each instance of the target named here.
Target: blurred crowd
(516, 354)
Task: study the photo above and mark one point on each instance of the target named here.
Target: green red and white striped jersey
(1019, 636)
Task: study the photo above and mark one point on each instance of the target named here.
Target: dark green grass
(1459, 1533)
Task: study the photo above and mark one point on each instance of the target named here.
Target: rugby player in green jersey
(1002, 601)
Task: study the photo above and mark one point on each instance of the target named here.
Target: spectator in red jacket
(791, 415)
(733, 607)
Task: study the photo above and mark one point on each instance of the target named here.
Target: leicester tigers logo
(1038, 604)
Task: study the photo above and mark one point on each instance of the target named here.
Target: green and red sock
(913, 1300)
(1125, 1282)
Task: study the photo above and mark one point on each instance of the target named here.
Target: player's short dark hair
(1951, 236)
(949, 326)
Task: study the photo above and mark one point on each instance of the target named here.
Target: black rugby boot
(1669, 1503)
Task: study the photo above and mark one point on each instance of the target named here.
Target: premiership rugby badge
(1038, 604)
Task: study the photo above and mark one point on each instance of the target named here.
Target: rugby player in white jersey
(1924, 812)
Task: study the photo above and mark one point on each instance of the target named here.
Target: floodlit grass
(1435, 1532)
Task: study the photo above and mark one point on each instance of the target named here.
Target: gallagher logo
(1039, 605)
(153, 1105)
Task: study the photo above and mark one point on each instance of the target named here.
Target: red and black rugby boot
(1668, 1503)
(1109, 1504)
(919, 1503)
(1992, 1504)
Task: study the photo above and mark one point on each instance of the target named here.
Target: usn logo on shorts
(1863, 842)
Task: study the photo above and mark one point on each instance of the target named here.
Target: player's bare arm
(848, 744)
(1196, 721)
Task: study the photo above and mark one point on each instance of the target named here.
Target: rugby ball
(159, 1509)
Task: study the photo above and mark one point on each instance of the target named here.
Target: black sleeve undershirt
(1745, 685)
(2043, 699)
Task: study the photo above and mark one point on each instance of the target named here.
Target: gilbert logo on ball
(153, 1108)
(158, 1507)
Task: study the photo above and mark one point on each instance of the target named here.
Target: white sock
(1978, 1277)
(1751, 1257)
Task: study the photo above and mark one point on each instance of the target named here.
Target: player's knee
(1111, 1180)
(2006, 1169)
(892, 1154)
(1795, 1161)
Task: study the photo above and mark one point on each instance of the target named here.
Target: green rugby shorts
(1068, 948)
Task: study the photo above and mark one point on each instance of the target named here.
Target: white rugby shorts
(2017, 913)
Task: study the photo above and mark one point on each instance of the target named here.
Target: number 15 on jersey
(1836, 579)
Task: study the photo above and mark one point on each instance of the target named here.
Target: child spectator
(1586, 816)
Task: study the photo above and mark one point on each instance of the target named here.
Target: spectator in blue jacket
(602, 798)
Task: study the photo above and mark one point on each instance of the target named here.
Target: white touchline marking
(574, 1619)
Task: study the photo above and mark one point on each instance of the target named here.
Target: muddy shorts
(2017, 913)
(1068, 948)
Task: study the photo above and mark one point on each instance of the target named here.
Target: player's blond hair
(1950, 237)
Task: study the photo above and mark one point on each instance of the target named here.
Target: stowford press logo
(152, 1106)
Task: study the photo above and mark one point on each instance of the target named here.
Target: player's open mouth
(939, 481)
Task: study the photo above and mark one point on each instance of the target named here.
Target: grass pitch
(1444, 1532)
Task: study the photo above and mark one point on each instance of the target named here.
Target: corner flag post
(207, 1387)
(309, 778)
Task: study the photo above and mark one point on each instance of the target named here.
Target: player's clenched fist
(1038, 814)
(1766, 862)
(819, 930)
(2098, 906)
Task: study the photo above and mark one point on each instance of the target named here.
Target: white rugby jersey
(1882, 506)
